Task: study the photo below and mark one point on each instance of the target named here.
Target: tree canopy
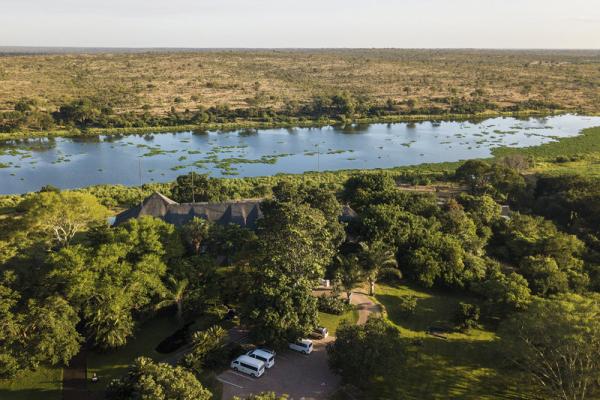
(557, 342)
(158, 381)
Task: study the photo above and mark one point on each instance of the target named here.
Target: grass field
(332, 321)
(464, 366)
(154, 82)
(43, 384)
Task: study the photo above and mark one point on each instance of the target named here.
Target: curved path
(365, 307)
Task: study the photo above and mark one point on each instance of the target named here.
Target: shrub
(407, 305)
(332, 304)
(467, 316)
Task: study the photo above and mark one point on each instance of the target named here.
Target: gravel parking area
(300, 376)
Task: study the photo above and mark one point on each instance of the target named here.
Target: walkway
(74, 378)
(365, 306)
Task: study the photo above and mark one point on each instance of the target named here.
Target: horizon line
(27, 48)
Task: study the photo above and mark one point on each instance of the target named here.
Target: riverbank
(293, 122)
(573, 155)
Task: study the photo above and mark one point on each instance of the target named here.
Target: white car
(303, 346)
(264, 355)
(248, 365)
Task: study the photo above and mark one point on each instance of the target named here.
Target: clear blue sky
(301, 23)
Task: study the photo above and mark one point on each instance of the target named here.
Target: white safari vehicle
(264, 355)
(303, 346)
(248, 365)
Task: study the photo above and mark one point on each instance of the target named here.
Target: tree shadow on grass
(450, 369)
(465, 365)
(30, 394)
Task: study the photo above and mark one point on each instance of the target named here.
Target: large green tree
(61, 216)
(378, 259)
(433, 245)
(36, 332)
(295, 229)
(557, 343)
(157, 381)
(293, 249)
(376, 346)
(504, 292)
(367, 189)
(497, 180)
(549, 259)
(108, 283)
(348, 273)
(279, 307)
(199, 187)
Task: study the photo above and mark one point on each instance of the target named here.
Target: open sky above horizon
(548, 24)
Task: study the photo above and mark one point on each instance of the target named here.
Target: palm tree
(378, 259)
(349, 273)
(174, 295)
(195, 232)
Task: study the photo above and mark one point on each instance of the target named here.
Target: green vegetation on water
(586, 143)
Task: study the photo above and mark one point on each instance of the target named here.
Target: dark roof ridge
(234, 201)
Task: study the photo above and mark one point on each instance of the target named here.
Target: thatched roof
(244, 213)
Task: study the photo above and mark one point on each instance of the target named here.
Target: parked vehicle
(320, 332)
(264, 355)
(303, 346)
(248, 365)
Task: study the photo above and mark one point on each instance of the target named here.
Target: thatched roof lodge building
(244, 213)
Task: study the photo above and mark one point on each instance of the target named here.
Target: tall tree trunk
(349, 294)
(180, 310)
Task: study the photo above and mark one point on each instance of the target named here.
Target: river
(77, 162)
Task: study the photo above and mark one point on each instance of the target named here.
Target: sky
(302, 23)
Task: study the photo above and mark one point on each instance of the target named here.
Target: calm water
(77, 162)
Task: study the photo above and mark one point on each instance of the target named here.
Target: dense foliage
(149, 380)
(557, 342)
(375, 347)
(84, 113)
(69, 279)
(280, 305)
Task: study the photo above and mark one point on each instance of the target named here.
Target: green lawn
(43, 384)
(331, 321)
(464, 366)
(113, 364)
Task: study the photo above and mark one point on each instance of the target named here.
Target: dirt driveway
(300, 376)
